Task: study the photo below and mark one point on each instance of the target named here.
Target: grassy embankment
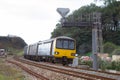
(13, 51)
(8, 72)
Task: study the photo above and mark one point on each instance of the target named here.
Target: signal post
(95, 23)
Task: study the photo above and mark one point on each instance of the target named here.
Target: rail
(28, 70)
(65, 71)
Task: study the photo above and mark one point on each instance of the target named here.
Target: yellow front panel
(64, 52)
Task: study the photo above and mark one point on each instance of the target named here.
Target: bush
(102, 65)
(110, 65)
(109, 47)
(115, 65)
(116, 52)
(89, 63)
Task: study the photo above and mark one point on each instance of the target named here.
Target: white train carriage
(56, 49)
(26, 49)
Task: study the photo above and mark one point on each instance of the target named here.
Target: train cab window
(59, 44)
(71, 44)
(65, 44)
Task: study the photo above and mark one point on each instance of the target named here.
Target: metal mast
(96, 39)
(87, 20)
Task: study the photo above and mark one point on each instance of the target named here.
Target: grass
(13, 51)
(20, 53)
(89, 54)
(9, 73)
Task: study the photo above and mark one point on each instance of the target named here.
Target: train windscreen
(65, 44)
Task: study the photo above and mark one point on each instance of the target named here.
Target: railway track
(105, 72)
(99, 72)
(89, 70)
(83, 75)
(28, 70)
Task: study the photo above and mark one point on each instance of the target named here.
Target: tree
(116, 52)
(107, 2)
(109, 47)
(83, 36)
(110, 16)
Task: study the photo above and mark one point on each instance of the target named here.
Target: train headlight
(57, 53)
(72, 54)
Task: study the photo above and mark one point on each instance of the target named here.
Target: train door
(52, 49)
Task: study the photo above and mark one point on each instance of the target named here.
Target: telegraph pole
(96, 39)
(95, 46)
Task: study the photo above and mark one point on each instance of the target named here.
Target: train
(61, 49)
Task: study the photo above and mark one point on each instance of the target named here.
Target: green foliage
(116, 52)
(13, 51)
(88, 54)
(83, 11)
(109, 47)
(107, 2)
(8, 72)
(110, 65)
(13, 42)
(103, 65)
(83, 36)
(112, 36)
(88, 63)
(12, 45)
(88, 9)
(2, 77)
(110, 14)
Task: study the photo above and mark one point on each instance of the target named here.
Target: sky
(33, 20)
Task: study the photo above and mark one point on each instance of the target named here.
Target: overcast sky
(33, 20)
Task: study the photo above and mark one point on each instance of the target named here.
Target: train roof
(64, 37)
(49, 40)
(52, 39)
(60, 37)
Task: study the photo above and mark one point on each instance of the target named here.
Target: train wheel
(64, 61)
(53, 60)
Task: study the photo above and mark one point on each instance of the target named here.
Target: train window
(71, 44)
(59, 44)
(65, 44)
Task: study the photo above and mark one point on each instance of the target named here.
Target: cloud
(33, 20)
